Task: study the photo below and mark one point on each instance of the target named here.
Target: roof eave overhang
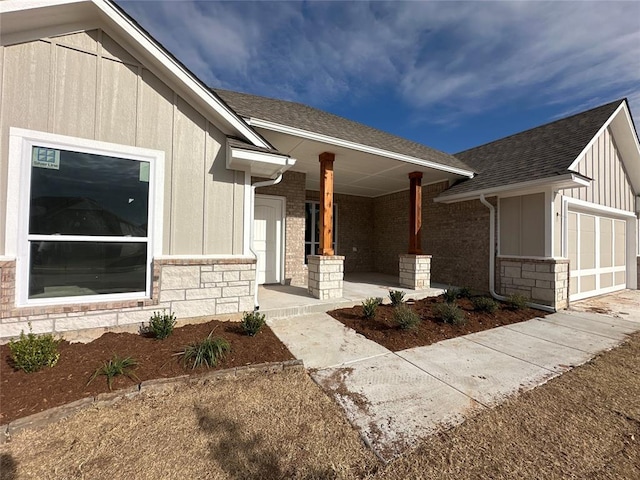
(258, 164)
(627, 142)
(568, 180)
(305, 134)
(75, 15)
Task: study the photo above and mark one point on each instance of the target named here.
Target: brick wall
(292, 187)
(544, 281)
(455, 235)
(355, 230)
(188, 287)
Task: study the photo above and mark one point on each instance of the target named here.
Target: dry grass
(584, 424)
(278, 426)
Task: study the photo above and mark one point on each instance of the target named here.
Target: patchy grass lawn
(584, 424)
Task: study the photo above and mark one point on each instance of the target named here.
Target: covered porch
(278, 301)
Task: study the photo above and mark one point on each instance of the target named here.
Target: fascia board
(178, 71)
(276, 127)
(104, 14)
(562, 181)
(604, 126)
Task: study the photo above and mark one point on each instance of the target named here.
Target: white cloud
(465, 56)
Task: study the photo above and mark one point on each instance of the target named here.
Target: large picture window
(312, 229)
(88, 224)
(84, 218)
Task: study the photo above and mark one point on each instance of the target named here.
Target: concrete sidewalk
(394, 399)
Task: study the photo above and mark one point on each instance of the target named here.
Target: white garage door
(267, 238)
(597, 254)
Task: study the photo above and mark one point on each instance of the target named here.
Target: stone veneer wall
(188, 287)
(292, 187)
(456, 236)
(355, 230)
(544, 281)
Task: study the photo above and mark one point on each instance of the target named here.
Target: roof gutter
(567, 180)
(492, 259)
(296, 132)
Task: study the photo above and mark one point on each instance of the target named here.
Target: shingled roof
(303, 117)
(543, 152)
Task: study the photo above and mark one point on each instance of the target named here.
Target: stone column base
(541, 280)
(326, 273)
(415, 271)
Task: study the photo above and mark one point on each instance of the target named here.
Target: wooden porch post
(326, 203)
(415, 213)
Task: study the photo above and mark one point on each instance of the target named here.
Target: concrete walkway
(395, 399)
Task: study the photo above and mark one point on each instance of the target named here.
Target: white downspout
(492, 260)
(265, 183)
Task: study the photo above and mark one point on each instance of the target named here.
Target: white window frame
(17, 237)
(313, 226)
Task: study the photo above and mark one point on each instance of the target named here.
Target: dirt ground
(584, 424)
(23, 394)
(382, 330)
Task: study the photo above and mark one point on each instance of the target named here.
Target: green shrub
(485, 304)
(464, 292)
(115, 367)
(369, 307)
(450, 295)
(161, 324)
(450, 313)
(379, 300)
(405, 318)
(32, 352)
(252, 322)
(517, 302)
(396, 297)
(207, 352)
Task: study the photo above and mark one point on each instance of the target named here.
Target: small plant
(464, 292)
(207, 352)
(379, 300)
(161, 324)
(517, 302)
(396, 297)
(32, 352)
(450, 313)
(485, 304)
(115, 367)
(451, 294)
(405, 318)
(369, 307)
(252, 322)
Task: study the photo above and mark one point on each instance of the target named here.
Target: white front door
(267, 238)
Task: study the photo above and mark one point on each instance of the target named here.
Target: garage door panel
(620, 243)
(606, 280)
(573, 240)
(621, 278)
(587, 240)
(606, 242)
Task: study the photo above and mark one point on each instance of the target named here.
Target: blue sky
(451, 75)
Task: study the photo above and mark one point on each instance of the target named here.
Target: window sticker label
(144, 171)
(46, 158)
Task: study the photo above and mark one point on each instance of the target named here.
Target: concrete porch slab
(543, 353)
(606, 327)
(280, 301)
(566, 336)
(393, 403)
(323, 342)
(484, 374)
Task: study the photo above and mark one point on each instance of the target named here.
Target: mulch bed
(23, 394)
(382, 329)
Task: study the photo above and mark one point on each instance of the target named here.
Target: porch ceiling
(355, 172)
